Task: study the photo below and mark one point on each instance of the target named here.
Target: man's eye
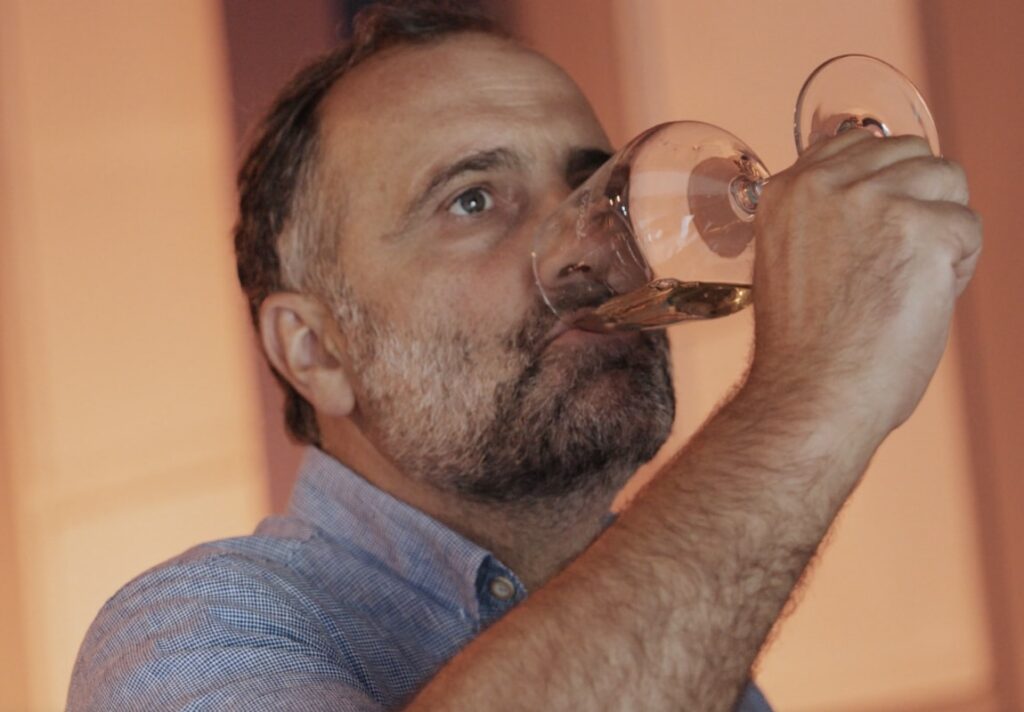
(474, 200)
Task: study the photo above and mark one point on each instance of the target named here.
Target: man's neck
(536, 539)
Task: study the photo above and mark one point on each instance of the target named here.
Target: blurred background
(137, 419)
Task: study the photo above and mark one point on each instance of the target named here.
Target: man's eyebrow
(582, 163)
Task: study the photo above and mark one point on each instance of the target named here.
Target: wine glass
(663, 232)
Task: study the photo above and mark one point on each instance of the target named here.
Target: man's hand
(863, 246)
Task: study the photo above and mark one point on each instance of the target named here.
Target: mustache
(530, 338)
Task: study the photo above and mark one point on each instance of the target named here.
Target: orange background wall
(128, 418)
(975, 60)
(130, 402)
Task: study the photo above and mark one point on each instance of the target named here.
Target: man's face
(444, 159)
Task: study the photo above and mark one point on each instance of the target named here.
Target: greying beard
(577, 422)
(524, 425)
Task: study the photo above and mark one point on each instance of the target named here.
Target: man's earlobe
(299, 338)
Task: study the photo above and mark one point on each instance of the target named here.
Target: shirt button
(502, 588)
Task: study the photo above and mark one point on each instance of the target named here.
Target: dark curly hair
(277, 183)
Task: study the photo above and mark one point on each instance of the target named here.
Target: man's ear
(303, 344)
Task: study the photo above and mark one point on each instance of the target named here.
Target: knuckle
(973, 229)
(901, 213)
(856, 135)
(849, 137)
(946, 177)
(864, 192)
(914, 145)
(959, 177)
(955, 177)
(955, 169)
(974, 218)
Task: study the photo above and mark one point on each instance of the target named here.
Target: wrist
(809, 418)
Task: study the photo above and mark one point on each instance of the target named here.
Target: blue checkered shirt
(350, 602)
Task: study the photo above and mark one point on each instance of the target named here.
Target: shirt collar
(429, 555)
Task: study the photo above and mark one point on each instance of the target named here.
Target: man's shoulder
(286, 570)
(251, 566)
(220, 610)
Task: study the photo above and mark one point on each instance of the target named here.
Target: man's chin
(578, 358)
(616, 389)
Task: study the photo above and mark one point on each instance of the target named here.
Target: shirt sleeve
(215, 634)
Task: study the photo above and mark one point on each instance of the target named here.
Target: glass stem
(746, 193)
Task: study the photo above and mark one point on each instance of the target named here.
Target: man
(465, 447)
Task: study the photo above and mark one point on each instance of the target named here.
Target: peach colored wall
(976, 58)
(127, 406)
(13, 630)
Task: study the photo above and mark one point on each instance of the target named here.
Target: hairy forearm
(668, 609)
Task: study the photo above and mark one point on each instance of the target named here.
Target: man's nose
(585, 253)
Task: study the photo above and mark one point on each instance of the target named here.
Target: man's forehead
(425, 96)
(465, 65)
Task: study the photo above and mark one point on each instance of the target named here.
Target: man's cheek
(503, 285)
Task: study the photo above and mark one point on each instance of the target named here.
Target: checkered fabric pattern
(349, 603)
